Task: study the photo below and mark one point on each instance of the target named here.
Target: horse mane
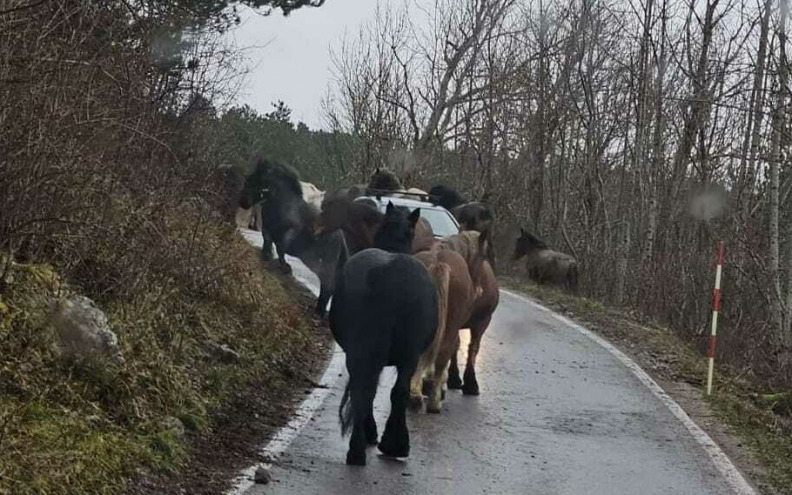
(282, 173)
(386, 180)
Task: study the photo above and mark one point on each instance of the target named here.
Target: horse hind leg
(442, 363)
(321, 302)
(266, 245)
(416, 389)
(396, 438)
(281, 249)
(471, 386)
(454, 381)
(362, 398)
(370, 426)
(362, 387)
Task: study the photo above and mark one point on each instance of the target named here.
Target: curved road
(558, 414)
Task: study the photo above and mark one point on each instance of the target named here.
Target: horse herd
(400, 295)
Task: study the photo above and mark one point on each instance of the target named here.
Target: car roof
(382, 200)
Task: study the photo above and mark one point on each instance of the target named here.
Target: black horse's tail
(360, 387)
(572, 278)
(345, 410)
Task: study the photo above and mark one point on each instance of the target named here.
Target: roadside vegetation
(190, 340)
(113, 186)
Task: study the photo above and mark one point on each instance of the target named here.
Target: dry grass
(87, 428)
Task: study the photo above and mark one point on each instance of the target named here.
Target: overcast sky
(291, 61)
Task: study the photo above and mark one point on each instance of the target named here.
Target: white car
(441, 220)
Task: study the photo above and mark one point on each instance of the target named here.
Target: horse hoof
(394, 450)
(470, 389)
(416, 403)
(454, 383)
(432, 409)
(371, 437)
(356, 459)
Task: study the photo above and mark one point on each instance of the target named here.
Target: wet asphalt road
(557, 414)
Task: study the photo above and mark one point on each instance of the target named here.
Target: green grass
(760, 417)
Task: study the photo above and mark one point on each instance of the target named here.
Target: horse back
(386, 298)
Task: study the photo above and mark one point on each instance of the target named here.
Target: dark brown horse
(474, 247)
(360, 220)
(471, 215)
(384, 180)
(545, 266)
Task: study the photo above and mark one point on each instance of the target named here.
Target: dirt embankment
(748, 422)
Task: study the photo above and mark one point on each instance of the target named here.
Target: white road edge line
(721, 461)
(286, 434)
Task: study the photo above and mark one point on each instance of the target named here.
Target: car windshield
(441, 222)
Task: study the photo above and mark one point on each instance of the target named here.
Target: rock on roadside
(82, 329)
(262, 476)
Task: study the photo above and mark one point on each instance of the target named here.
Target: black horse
(447, 197)
(288, 222)
(384, 313)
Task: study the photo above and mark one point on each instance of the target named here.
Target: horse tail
(441, 274)
(360, 387)
(572, 278)
(345, 410)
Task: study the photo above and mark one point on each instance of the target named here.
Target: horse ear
(414, 216)
(522, 231)
(389, 209)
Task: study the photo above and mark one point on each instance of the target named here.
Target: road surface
(558, 414)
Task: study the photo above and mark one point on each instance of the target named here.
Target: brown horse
(463, 254)
(474, 247)
(360, 220)
(545, 265)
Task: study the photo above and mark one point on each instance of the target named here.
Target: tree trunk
(622, 263)
(779, 306)
(658, 148)
(753, 132)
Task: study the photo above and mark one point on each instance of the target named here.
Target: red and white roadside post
(716, 298)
